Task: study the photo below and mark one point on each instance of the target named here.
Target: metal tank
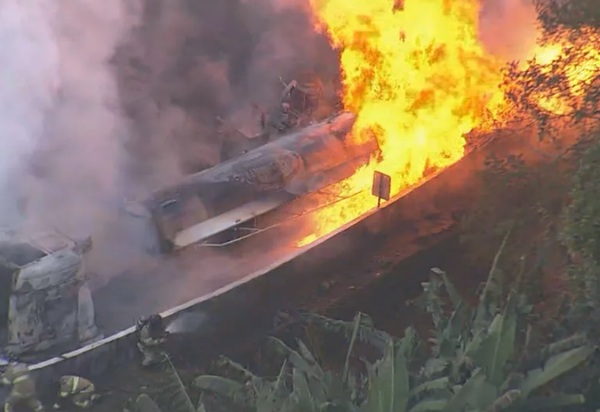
(236, 191)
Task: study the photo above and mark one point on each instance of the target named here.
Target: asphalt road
(154, 284)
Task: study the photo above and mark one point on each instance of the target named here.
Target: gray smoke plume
(62, 129)
(61, 124)
(190, 61)
(29, 68)
(104, 101)
(100, 101)
(509, 28)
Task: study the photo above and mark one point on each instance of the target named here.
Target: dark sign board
(382, 185)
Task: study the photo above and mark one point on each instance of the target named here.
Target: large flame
(418, 78)
(579, 73)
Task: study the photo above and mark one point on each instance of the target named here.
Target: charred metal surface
(258, 181)
(44, 297)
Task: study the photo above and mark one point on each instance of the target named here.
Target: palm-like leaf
(389, 383)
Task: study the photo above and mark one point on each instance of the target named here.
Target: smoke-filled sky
(508, 28)
(61, 123)
(104, 100)
(29, 60)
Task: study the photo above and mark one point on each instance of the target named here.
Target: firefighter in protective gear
(151, 337)
(23, 391)
(77, 391)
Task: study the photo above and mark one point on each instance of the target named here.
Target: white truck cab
(45, 301)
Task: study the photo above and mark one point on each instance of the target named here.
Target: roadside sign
(382, 186)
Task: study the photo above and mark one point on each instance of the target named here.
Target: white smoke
(29, 76)
(61, 127)
(187, 322)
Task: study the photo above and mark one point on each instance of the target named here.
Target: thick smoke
(190, 62)
(103, 101)
(61, 123)
(29, 64)
(63, 130)
(509, 28)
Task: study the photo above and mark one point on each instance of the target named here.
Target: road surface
(154, 284)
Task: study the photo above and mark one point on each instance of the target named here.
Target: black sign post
(382, 186)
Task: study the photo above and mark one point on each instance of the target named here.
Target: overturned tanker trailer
(222, 200)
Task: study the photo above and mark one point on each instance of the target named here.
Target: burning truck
(222, 203)
(45, 302)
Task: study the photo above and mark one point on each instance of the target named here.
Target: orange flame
(418, 78)
(579, 74)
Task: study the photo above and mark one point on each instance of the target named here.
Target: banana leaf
(271, 398)
(388, 383)
(429, 406)
(505, 401)
(488, 299)
(450, 336)
(230, 367)
(222, 386)
(555, 367)
(175, 393)
(366, 333)
(296, 359)
(351, 346)
(431, 301)
(322, 384)
(434, 368)
(146, 404)
(559, 400)
(454, 296)
(442, 383)
(498, 346)
(466, 394)
(539, 357)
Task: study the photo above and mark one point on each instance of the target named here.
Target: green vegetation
(468, 367)
(479, 358)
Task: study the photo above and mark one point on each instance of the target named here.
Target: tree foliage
(560, 98)
(581, 226)
(562, 91)
(574, 14)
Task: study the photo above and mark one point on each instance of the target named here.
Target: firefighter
(22, 391)
(151, 336)
(77, 391)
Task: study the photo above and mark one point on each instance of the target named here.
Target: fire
(417, 78)
(579, 74)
